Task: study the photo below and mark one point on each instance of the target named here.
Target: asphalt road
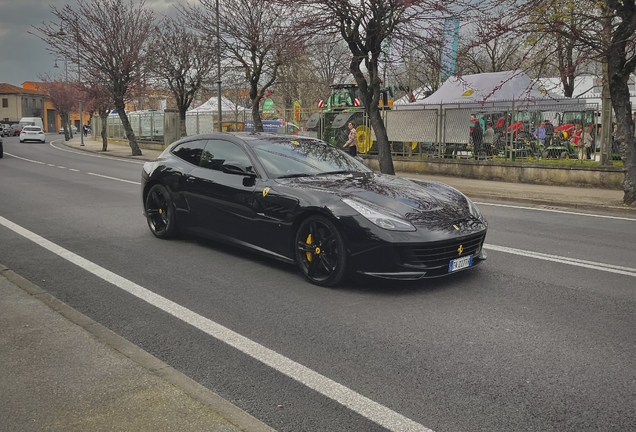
(541, 337)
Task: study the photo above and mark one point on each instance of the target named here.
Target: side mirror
(237, 168)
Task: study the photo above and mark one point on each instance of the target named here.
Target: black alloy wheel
(160, 212)
(320, 251)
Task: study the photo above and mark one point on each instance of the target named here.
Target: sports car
(303, 201)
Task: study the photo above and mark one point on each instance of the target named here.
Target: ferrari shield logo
(460, 249)
(265, 191)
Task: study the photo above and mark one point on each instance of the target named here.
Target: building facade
(17, 102)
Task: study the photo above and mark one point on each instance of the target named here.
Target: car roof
(249, 138)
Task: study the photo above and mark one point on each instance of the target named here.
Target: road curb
(234, 415)
(551, 203)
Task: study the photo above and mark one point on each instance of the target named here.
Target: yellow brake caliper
(309, 254)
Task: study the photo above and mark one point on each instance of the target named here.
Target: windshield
(304, 157)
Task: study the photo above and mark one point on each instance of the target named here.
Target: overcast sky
(23, 56)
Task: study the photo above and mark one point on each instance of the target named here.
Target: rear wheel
(1, 151)
(160, 212)
(320, 251)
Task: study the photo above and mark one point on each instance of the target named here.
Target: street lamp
(218, 64)
(63, 33)
(55, 66)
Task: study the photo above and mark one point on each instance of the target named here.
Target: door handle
(190, 178)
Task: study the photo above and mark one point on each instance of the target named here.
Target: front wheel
(320, 251)
(160, 212)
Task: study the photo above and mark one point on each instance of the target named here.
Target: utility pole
(218, 67)
(606, 119)
(79, 83)
(606, 108)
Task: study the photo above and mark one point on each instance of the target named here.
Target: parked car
(303, 201)
(16, 129)
(73, 129)
(32, 133)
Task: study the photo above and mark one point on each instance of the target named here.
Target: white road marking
(364, 406)
(113, 178)
(555, 211)
(24, 159)
(627, 271)
(75, 170)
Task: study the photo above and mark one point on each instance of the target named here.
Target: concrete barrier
(546, 174)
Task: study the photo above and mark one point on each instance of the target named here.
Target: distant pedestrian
(478, 138)
(352, 142)
(489, 138)
(587, 140)
(577, 141)
(539, 134)
(85, 128)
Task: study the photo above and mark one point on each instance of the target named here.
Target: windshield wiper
(335, 172)
(295, 175)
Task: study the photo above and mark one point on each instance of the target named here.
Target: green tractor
(342, 106)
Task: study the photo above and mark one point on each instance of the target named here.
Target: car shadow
(360, 285)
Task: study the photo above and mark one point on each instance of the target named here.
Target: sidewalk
(531, 194)
(63, 372)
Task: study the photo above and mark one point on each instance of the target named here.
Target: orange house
(51, 119)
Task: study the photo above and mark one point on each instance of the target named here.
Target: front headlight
(472, 208)
(378, 217)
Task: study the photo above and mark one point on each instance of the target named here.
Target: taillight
(40, 133)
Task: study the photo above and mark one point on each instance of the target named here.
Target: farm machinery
(342, 106)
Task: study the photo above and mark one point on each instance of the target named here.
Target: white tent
(491, 90)
(212, 106)
(201, 119)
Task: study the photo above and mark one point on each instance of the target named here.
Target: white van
(31, 121)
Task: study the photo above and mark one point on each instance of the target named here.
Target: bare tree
(255, 35)
(98, 99)
(606, 31)
(64, 96)
(367, 26)
(110, 40)
(555, 53)
(491, 52)
(183, 63)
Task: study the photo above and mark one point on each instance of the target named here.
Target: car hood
(422, 202)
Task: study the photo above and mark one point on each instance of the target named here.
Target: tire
(320, 251)
(1, 151)
(160, 212)
(21, 141)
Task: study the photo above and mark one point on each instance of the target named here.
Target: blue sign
(450, 37)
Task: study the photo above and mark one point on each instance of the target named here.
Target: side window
(190, 151)
(218, 152)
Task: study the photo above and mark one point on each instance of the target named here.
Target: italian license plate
(460, 263)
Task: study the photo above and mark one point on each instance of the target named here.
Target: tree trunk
(132, 139)
(256, 116)
(384, 149)
(625, 133)
(104, 117)
(182, 121)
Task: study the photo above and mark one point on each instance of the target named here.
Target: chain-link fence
(505, 130)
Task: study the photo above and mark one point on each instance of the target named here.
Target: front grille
(438, 254)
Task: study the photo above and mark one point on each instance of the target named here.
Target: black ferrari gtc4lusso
(301, 200)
